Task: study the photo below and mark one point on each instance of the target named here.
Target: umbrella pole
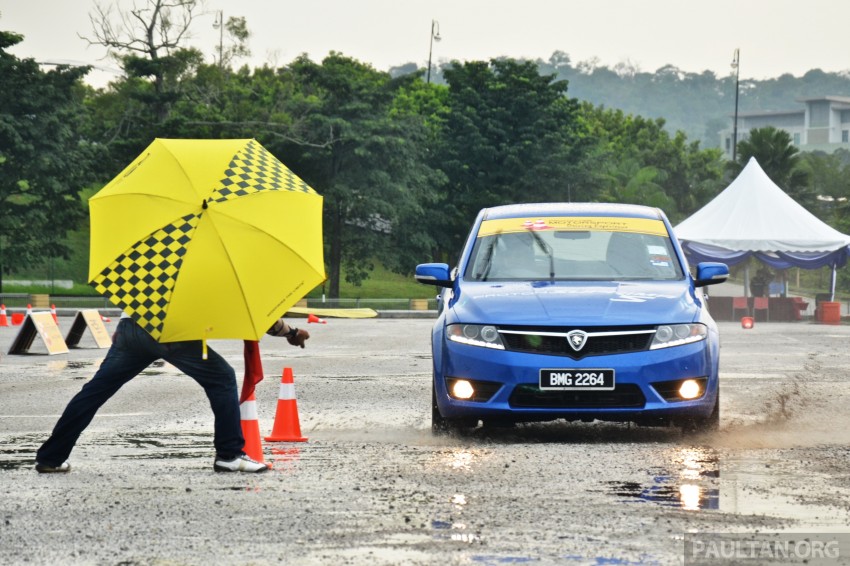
(747, 280)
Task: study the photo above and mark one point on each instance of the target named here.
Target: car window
(503, 252)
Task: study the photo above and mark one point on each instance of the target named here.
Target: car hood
(600, 303)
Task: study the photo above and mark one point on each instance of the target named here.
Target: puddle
(10, 465)
(459, 460)
(451, 531)
(773, 488)
(755, 486)
(690, 483)
(163, 446)
(665, 491)
(181, 455)
(58, 366)
(285, 459)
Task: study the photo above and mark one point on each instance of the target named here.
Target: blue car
(577, 312)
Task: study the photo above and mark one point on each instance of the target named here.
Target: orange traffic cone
(53, 312)
(251, 429)
(29, 310)
(314, 318)
(105, 318)
(4, 320)
(286, 425)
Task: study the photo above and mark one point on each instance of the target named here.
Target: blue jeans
(132, 351)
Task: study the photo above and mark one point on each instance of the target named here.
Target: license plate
(587, 379)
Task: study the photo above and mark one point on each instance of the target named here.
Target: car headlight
(668, 335)
(475, 335)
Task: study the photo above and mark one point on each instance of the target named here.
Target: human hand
(299, 338)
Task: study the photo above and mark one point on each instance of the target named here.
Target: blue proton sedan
(577, 312)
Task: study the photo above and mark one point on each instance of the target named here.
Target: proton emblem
(576, 339)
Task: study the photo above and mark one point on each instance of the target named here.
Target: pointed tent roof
(754, 215)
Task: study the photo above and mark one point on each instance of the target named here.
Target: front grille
(617, 340)
(624, 396)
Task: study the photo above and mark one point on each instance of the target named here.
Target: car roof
(572, 209)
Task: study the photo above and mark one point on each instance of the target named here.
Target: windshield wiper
(487, 259)
(547, 249)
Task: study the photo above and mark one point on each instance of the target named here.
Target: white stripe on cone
(248, 410)
(287, 392)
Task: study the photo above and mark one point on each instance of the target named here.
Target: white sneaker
(239, 464)
(62, 468)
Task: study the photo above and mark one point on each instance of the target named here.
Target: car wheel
(698, 425)
(441, 425)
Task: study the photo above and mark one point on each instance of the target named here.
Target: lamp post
(435, 35)
(219, 25)
(735, 65)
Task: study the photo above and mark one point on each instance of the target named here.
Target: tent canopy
(754, 217)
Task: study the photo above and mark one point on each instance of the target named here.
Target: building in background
(822, 124)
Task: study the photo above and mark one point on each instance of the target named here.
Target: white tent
(754, 217)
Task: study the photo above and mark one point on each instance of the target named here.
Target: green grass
(382, 284)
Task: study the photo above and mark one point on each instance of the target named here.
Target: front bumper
(515, 379)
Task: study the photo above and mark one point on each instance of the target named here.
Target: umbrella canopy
(202, 239)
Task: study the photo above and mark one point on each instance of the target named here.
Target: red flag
(253, 369)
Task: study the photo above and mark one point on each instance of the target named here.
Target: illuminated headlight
(668, 335)
(462, 389)
(690, 389)
(475, 335)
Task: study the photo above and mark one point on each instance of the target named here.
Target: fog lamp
(689, 389)
(462, 389)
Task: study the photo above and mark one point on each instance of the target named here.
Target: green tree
(44, 160)
(509, 135)
(634, 159)
(364, 155)
(779, 159)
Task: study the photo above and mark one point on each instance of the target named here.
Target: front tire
(699, 425)
(441, 425)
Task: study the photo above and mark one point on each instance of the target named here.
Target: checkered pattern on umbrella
(141, 280)
(255, 169)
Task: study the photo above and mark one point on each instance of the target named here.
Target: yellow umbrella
(202, 239)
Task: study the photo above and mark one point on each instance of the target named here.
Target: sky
(774, 36)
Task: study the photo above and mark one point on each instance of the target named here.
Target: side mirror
(434, 274)
(711, 273)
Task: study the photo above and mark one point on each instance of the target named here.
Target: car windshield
(537, 250)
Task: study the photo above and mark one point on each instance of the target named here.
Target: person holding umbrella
(196, 240)
(133, 350)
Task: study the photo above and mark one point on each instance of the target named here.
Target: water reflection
(285, 459)
(460, 459)
(459, 500)
(690, 483)
(690, 496)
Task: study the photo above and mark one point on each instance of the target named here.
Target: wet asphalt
(371, 485)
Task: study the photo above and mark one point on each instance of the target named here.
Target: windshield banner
(573, 224)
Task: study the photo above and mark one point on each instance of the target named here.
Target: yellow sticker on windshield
(573, 224)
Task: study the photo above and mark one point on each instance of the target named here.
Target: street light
(435, 35)
(736, 59)
(219, 25)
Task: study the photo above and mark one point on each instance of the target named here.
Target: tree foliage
(44, 161)
(509, 135)
(779, 159)
(403, 165)
(367, 161)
